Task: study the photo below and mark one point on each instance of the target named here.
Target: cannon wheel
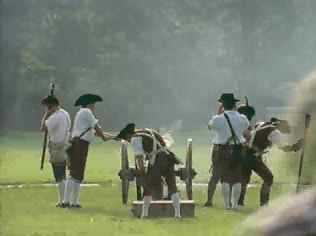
(188, 167)
(124, 168)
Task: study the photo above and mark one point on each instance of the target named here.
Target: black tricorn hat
(283, 125)
(88, 98)
(228, 98)
(128, 130)
(247, 110)
(50, 100)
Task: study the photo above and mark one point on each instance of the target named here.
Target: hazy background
(153, 61)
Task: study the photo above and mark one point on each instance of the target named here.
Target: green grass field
(31, 210)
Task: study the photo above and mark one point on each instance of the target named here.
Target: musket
(246, 100)
(307, 123)
(52, 89)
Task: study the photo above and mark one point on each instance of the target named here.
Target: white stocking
(226, 194)
(146, 205)
(68, 190)
(61, 191)
(236, 190)
(76, 191)
(176, 204)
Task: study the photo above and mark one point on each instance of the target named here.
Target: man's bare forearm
(294, 147)
(104, 135)
(99, 131)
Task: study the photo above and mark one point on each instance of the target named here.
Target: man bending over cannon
(153, 161)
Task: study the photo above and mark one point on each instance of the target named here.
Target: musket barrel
(52, 89)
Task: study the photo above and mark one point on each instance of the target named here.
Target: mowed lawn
(31, 210)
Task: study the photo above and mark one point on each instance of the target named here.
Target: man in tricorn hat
(56, 122)
(249, 112)
(153, 161)
(85, 128)
(263, 136)
(226, 166)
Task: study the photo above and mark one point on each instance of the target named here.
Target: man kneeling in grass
(56, 122)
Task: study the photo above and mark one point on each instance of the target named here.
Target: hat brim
(283, 125)
(50, 100)
(234, 100)
(86, 99)
(248, 111)
(129, 129)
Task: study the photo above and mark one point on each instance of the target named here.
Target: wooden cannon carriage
(160, 207)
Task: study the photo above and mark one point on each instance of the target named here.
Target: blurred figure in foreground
(289, 216)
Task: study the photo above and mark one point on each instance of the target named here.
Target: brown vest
(147, 139)
(261, 141)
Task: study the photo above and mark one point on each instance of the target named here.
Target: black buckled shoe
(77, 206)
(65, 205)
(208, 204)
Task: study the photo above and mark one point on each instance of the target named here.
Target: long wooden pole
(52, 89)
(300, 170)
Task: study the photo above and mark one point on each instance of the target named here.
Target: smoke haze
(153, 61)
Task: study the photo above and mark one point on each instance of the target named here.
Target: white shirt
(58, 126)
(84, 119)
(277, 138)
(137, 144)
(220, 128)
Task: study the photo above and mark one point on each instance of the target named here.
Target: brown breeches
(215, 177)
(59, 171)
(225, 165)
(78, 158)
(163, 167)
(261, 169)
